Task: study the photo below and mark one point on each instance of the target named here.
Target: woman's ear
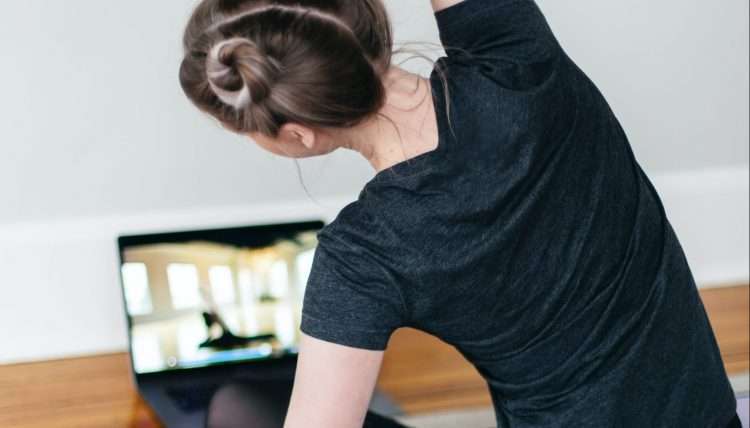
(293, 133)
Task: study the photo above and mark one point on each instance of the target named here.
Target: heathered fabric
(531, 240)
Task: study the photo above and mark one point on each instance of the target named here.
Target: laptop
(206, 308)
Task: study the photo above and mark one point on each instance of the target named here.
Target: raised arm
(508, 33)
(438, 5)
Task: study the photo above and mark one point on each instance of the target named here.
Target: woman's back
(531, 240)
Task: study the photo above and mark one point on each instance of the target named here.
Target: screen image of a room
(196, 304)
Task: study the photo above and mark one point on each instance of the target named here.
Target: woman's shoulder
(350, 226)
(373, 226)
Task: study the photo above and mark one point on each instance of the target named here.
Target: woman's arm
(499, 32)
(333, 385)
(443, 4)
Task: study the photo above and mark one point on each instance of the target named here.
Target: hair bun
(239, 73)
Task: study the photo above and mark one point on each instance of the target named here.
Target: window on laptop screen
(201, 298)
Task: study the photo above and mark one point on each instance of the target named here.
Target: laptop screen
(203, 298)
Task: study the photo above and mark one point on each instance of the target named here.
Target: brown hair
(257, 64)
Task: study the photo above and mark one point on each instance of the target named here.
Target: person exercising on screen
(218, 333)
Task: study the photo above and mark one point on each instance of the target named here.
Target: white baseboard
(61, 296)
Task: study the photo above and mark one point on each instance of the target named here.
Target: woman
(507, 216)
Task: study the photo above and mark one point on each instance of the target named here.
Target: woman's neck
(404, 128)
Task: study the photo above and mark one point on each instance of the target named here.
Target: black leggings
(263, 404)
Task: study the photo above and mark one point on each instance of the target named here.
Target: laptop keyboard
(192, 398)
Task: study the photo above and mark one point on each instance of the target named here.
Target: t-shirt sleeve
(349, 299)
(510, 30)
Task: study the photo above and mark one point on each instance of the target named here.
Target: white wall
(96, 138)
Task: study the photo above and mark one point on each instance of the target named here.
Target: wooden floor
(419, 372)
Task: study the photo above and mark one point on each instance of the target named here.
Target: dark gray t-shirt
(531, 240)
